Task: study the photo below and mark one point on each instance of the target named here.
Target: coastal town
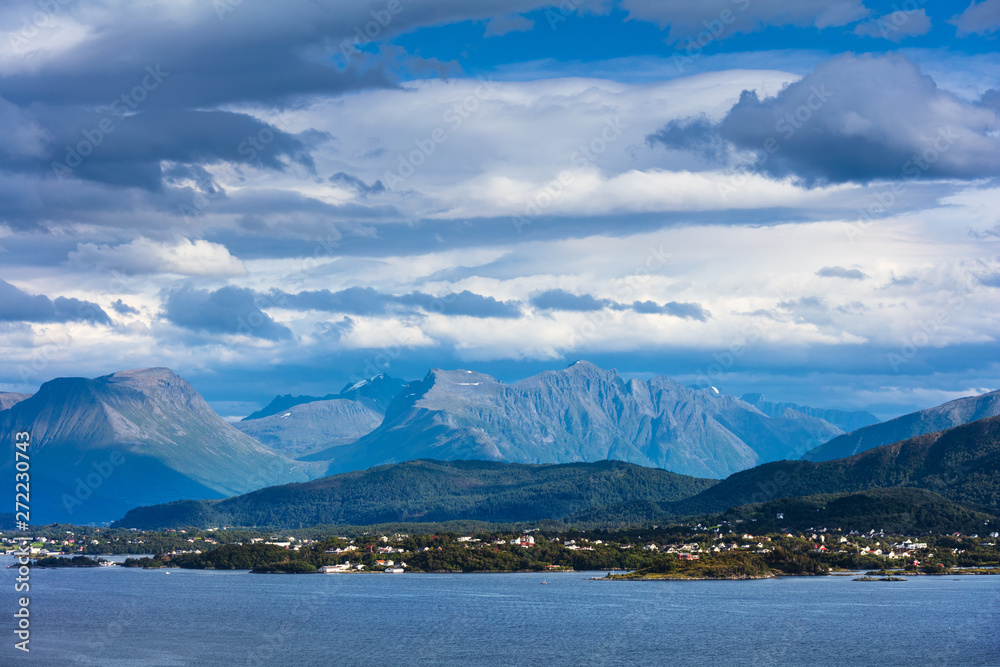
(677, 548)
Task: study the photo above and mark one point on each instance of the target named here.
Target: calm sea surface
(117, 616)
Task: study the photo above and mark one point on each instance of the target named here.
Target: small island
(75, 561)
(728, 565)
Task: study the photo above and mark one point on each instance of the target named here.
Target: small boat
(544, 582)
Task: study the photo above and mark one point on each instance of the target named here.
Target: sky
(793, 197)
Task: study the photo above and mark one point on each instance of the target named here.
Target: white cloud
(144, 256)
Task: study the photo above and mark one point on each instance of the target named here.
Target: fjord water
(116, 616)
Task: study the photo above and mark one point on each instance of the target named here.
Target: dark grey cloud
(229, 310)
(462, 303)
(353, 301)
(696, 135)
(558, 299)
(123, 308)
(855, 118)
(229, 52)
(688, 311)
(991, 99)
(368, 301)
(701, 23)
(356, 184)
(896, 26)
(841, 272)
(129, 150)
(17, 305)
(979, 18)
(903, 281)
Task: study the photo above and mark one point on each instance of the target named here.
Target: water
(118, 616)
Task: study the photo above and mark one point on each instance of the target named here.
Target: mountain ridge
(430, 491)
(102, 445)
(580, 413)
(961, 463)
(930, 420)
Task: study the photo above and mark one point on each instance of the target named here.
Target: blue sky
(797, 198)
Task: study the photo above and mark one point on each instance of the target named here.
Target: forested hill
(961, 463)
(428, 491)
(951, 414)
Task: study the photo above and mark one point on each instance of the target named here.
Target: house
(330, 569)
(687, 556)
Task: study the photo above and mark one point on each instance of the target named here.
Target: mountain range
(953, 413)
(580, 413)
(134, 438)
(301, 425)
(102, 446)
(932, 482)
(846, 421)
(9, 399)
(374, 393)
(960, 463)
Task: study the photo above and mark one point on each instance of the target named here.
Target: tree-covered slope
(961, 463)
(897, 510)
(431, 491)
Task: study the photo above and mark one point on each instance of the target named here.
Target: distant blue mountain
(953, 413)
(846, 421)
(301, 425)
(102, 446)
(581, 413)
(375, 394)
(9, 399)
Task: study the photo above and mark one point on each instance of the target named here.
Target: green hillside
(898, 511)
(962, 464)
(431, 491)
